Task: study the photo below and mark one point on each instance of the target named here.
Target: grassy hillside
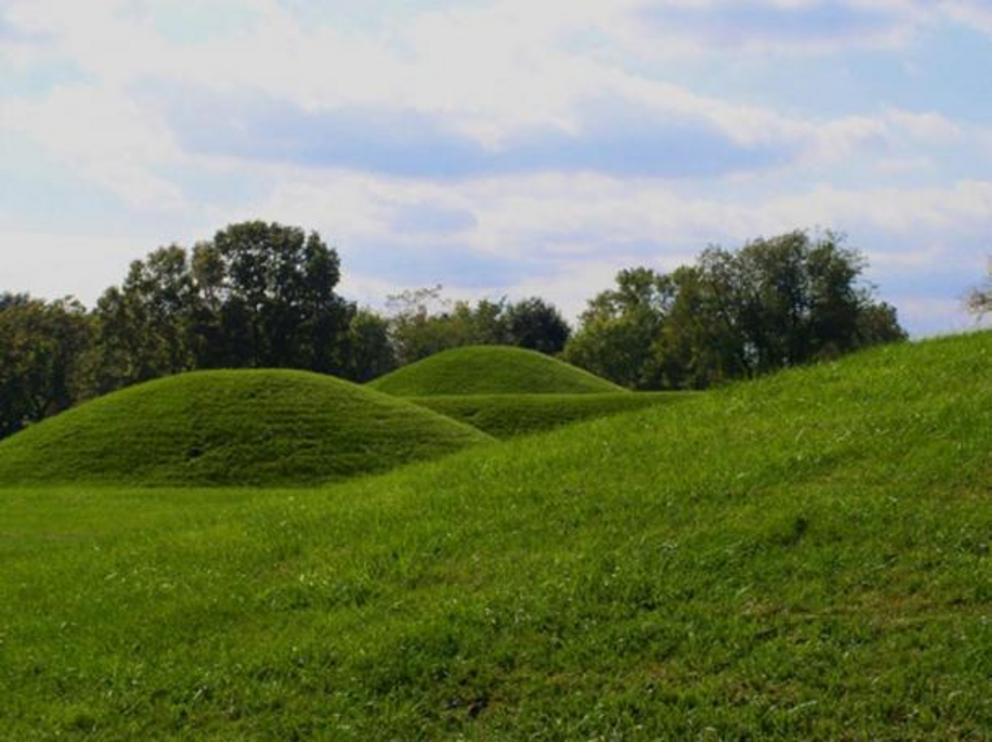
(230, 427)
(490, 369)
(509, 415)
(805, 556)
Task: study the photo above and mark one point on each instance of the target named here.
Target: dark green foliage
(490, 369)
(419, 327)
(227, 428)
(369, 350)
(257, 295)
(262, 295)
(535, 324)
(773, 304)
(510, 415)
(148, 327)
(620, 328)
(278, 282)
(807, 556)
(424, 323)
(40, 347)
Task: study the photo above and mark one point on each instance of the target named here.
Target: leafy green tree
(275, 285)
(774, 303)
(256, 295)
(145, 328)
(619, 329)
(40, 347)
(370, 350)
(423, 322)
(482, 324)
(418, 324)
(699, 343)
(798, 299)
(534, 323)
(877, 324)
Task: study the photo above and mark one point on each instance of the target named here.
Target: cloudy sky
(499, 146)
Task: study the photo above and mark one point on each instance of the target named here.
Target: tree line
(264, 295)
(772, 304)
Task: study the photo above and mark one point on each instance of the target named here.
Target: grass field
(231, 427)
(809, 555)
(509, 415)
(490, 369)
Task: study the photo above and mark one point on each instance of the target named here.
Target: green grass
(230, 428)
(806, 556)
(509, 415)
(490, 369)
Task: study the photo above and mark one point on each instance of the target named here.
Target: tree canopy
(40, 348)
(774, 303)
(423, 322)
(261, 294)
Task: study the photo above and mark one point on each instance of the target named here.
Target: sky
(500, 147)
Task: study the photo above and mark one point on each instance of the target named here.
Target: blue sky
(500, 147)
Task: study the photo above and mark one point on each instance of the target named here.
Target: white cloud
(51, 264)
(583, 229)
(933, 316)
(489, 72)
(975, 13)
(515, 71)
(103, 136)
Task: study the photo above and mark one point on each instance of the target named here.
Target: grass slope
(807, 556)
(509, 415)
(230, 427)
(490, 369)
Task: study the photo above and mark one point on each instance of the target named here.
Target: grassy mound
(490, 369)
(806, 556)
(228, 428)
(509, 415)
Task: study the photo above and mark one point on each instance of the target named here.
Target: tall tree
(276, 289)
(774, 303)
(536, 324)
(145, 328)
(619, 329)
(40, 346)
(424, 322)
(256, 295)
(418, 323)
(370, 351)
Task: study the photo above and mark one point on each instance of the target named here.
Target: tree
(619, 328)
(40, 347)
(423, 322)
(145, 328)
(772, 304)
(700, 342)
(256, 295)
(979, 301)
(802, 299)
(483, 324)
(415, 328)
(534, 323)
(877, 324)
(370, 351)
(275, 289)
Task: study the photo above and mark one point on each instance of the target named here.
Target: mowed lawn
(243, 427)
(806, 555)
(491, 369)
(510, 415)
